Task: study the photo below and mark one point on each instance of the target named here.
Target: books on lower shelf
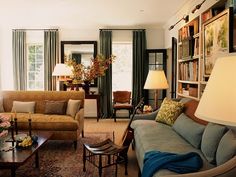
(188, 70)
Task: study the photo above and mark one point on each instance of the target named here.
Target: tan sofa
(63, 127)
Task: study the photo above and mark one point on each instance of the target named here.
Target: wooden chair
(107, 153)
(122, 100)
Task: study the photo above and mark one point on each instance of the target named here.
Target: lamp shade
(218, 102)
(156, 79)
(62, 70)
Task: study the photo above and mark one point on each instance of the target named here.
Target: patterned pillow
(169, 111)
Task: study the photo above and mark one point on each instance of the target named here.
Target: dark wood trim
(174, 68)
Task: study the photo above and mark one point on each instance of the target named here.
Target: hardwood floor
(108, 125)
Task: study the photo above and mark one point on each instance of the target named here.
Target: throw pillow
(1, 105)
(169, 111)
(210, 140)
(20, 106)
(226, 149)
(72, 107)
(55, 107)
(191, 131)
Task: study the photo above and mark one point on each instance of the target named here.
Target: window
(122, 67)
(35, 67)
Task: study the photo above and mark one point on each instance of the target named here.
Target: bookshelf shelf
(188, 60)
(187, 96)
(188, 82)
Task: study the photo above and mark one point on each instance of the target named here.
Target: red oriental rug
(60, 159)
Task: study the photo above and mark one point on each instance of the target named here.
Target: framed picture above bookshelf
(217, 39)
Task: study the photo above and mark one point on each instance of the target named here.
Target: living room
(175, 33)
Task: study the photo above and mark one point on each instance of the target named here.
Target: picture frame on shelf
(217, 38)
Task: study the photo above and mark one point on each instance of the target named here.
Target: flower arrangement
(97, 68)
(4, 125)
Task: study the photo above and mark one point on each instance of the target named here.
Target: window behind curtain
(122, 67)
(35, 67)
(35, 60)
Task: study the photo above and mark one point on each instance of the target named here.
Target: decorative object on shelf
(62, 71)
(217, 39)
(198, 6)
(217, 104)
(185, 18)
(85, 75)
(156, 79)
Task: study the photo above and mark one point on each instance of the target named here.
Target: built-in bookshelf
(188, 59)
(192, 79)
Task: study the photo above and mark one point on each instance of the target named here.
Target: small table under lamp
(218, 102)
(156, 80)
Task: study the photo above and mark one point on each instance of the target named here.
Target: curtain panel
(105, 82)
(19, 59)
(51, 45)
(139, 48)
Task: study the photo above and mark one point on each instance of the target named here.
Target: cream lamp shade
(156, 79)
(62, 71)
(218, 102)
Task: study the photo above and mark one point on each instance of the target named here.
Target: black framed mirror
(81, 51)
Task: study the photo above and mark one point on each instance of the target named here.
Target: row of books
(188, 70)
(189, 30)
(189, 47)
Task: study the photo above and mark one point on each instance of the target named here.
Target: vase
(86, 87)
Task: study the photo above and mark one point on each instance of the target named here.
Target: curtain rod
(44, 29)
(121, 29)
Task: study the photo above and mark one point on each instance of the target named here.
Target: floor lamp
(156, 80)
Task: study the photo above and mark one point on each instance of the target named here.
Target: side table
(97, 98)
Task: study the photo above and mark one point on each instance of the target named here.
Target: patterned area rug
(60, 159)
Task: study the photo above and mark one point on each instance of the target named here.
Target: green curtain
(51, 45)
(105, 82)
(19, 59)
(139, 48)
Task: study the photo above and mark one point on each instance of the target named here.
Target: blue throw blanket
(179, 163)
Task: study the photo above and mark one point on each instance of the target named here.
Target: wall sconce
(198, 6)
(185, 18)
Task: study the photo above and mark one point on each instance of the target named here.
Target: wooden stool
(96, 154)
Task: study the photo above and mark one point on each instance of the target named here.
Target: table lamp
(156, 80)
(218, 102)
(62, 71)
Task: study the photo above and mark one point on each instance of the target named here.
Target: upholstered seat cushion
(123, 106)
(47, 122)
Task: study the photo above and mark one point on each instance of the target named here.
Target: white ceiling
(88, 13)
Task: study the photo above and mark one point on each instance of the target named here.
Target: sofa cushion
(47, 122)
(1, 105)
(210, 140)
(169, 111)
(189, 130)
(227, 148)
(21, 106)
(72, 107)
(55, 107)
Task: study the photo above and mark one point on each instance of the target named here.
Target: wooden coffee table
(15, 158)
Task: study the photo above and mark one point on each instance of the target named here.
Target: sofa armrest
(80, 118)
(149, 116)
(227, 169)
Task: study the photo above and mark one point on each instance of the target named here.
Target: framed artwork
(217, 38)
